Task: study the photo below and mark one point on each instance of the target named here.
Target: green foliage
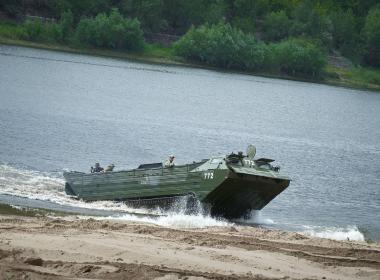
(35, 30)
(224, 46)
(110, 31)
(66, 24)
(81, 8)
(148, 12)
(359, 8)
(366, 75)
(157, 50)
(258, 8)
(181, 14)
(349, 26)
(106, 31)
(221, 45)
(276, 26)
(296, 57)
(371, 35)
(215, 12)
(38, 30)
(344, 33)
(308, 22)
(13, 8)
(358, 76)
(11, 30)
(245, 24)
(243, 14)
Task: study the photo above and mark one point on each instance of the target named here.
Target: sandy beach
(77, 248)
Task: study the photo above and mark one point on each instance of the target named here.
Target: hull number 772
(208, 175)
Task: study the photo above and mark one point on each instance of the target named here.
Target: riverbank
(354, 77)
(34, 246)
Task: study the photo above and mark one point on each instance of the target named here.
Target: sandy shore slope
(72, 248)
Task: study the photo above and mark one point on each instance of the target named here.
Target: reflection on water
(61, 110)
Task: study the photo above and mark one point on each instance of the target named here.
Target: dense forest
(287, 36)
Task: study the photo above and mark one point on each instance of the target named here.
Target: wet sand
(75, 248)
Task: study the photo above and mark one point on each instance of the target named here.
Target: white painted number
(208, 175)
(249, 163)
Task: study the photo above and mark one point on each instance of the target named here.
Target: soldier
(110, 167)
(97, 168)
(170, 161)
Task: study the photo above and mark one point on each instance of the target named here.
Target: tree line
(291, 36)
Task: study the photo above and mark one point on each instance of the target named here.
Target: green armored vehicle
(230, 186)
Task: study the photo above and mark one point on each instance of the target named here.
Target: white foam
(48, 187)
(45, 186)
(255, 217)
(174, 220)
(177, 216)
(335, 233)
(17, 207)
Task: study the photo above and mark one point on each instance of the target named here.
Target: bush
(296, 57)
(66, 24)
(371, 35)
(110, 31)
(221, 45)
(276, 26)
(38, 30)
(35, 30)
(224, 46)
(11, 30)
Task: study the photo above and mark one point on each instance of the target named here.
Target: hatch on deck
(266, 160)
(150, 165)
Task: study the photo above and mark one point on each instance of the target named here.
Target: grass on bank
(157, 50)
(11, 31)
(355, 77)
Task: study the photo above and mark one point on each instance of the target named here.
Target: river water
(63, 111)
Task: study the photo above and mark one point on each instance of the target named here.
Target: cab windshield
(216, 160)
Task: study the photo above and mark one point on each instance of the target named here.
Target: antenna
(251, 151)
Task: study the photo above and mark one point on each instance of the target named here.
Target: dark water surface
(61, 111)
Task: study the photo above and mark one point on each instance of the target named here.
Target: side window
(265, 166)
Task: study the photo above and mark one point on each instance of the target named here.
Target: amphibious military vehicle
(230, 186)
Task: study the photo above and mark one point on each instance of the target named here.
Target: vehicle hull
(229, 192)
(238, 195)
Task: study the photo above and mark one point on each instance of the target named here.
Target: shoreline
(173, 61)
(72, 247)
(165, 221)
